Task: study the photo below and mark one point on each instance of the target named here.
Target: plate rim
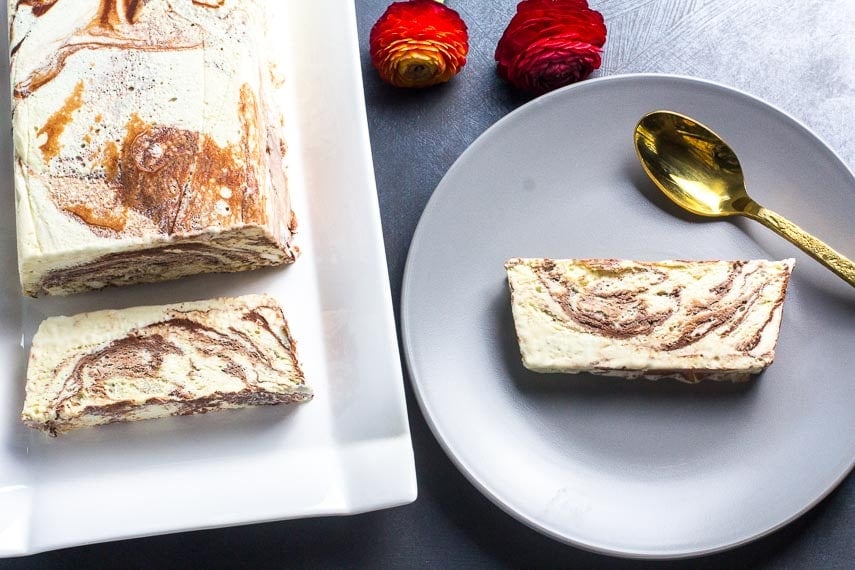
(409, 351)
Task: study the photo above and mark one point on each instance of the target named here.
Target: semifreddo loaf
(148, 142)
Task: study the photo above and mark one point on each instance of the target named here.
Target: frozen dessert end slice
(150, 362)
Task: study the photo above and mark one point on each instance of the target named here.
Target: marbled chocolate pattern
(674, 318)
(606, 305)
(161, 262)
(180, 359)
(148, 123)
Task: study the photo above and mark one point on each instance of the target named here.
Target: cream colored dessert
(147, 142)
(150, 362)
(691, 320)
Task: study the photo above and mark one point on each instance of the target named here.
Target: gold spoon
(698, 171)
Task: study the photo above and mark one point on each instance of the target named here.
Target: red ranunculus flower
(418, 43)
(550, 43)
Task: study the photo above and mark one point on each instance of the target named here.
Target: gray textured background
(797, 54)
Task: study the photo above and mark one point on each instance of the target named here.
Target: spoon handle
(820, 251)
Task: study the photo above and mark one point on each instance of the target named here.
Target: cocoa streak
(39, 7)
(606, 307)
(140, 355)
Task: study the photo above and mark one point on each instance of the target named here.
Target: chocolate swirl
(225, 252)
(175, 177)
(113, 27)
(191, 361)
(179, 180)
(39, 7)
(624, 300)
(607, 306)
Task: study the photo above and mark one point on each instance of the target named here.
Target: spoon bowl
(699, 172)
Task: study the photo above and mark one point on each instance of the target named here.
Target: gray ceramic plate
(632, 468)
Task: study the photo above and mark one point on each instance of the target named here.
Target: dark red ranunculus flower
(549, 44)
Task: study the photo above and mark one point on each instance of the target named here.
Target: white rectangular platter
(347, 451)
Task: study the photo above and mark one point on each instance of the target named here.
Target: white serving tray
(348, 451)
